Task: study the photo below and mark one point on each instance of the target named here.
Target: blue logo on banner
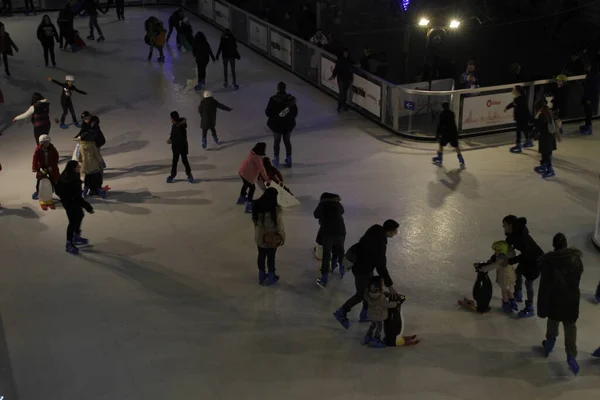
(409, 105)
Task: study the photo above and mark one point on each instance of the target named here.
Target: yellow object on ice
(501, 247)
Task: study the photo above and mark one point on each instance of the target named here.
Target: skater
(518, 237)
(155, 37)
(505, 273)
(521, 116)
(68, 189)
(560, 101)
(251, 170)
(558, 298)
(282, 112)
(208, 116)
(228, 48)
(370, 255)
(202, 53)
(591, 90)
(91, 165)
(46, 34)
(379, 304)
(344, 73)
(175, 21)
(332, 232)
(269, 234)
(65, 28)
(91, 132)
(39, 112)
(447, 133)
(86, 117)
(274, 175)
(179, 146)
(120, 7)
(6, 47)
(544, 123)
(187, 35)
(29, 7)
(66, 99)
(45, 157)
(91, 8)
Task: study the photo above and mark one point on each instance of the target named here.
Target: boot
(248, 209)
(271, 279)
(101, 38)
(513, 305)
(548, 346)
(596, 353)
(241, 200)
(190, 178)
(528, 143)
(573, 366)
(35, 196)
(204, 143)
(288, 161)
(170, 179)
(540, 169)
(322, 281)
(262, 275)
(216, 139)
(101, 193)
(199, 86)
(275, 161)
(376, 343)
(528, 311)
(76, 124)
(236, 86)
(342, 318)
(518, 296)
(585, 129)
(161, 59)
(549, 172)
(461, 160)
(364, 317)
(63, 125)
(70, 248)
(439, 159)
(517, 148)
(368, 339)
(78, 240)
(506, 307)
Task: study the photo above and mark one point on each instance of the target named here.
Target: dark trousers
(570, 335)
(29, 5)
(546, 159)
(184, 160)
(120, 7)
(361, 282)
(94, 24)
(587, 109)
(75, 216)
(93, 182)
(201, 67)
(266, 256)
(522, 131)
(160, 52)
(528, 288)
(5, 61)
(231, 62)
(65, 37)
(286, 142)
(375, 329)
(249, 188)
(333, 251)
(205, 132)
(66, 108)
(344, 88)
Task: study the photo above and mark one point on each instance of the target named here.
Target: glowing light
(454, 24)
(405, 4)
(423, 22)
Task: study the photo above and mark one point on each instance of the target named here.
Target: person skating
(91, 131)
(46, 34)
(282, 111)
(66, 99)
(332, 232)
(155, 37)
(85, 124)
(175, 21)
(544, 123)
(179, 146)
(45, 157)
(505, 273)
(6, 47)
(187, 35)
(559, 296)
(269, 235)
(208, 116)
(591, 91)
(521, 116)
(560, 101)
(344, 73)
(120, 8)
(65, 27)
(447, 133)
(91, 165)
(518, 237)
(370, 256)
(91, 8)
(203, 54)
(29, 7)
(274, 176)
(68, 189)
(39, 113)
(378, 307)
(251, 170)
(228, 49)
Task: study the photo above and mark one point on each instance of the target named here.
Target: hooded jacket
(208, 112)
(175, 19)
(89, 133)
(378, 306)
(46, 158)
(202, 50)
(546, 140)
(521, 113)
(253, 168)
(330, 213)
(371, 254)
(179, 143)
(68, 188)
(558, 296)
(65, 18)
(591, 87)
(89, 157)
(282, 111)
(46, 33)
(228, 46)
(529, 250)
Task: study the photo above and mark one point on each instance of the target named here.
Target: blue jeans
(528, 288)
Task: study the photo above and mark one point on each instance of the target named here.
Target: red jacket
(46, 160)
(252, 168)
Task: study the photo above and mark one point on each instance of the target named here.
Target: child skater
(378, 311)
(251, 170)
(506, 276)
(39, 113)
(91, 165)
(66, 100)
(332, 234)
(544, 123)
(447, 133)
(208, 116)
(45, 157)
(179, 146)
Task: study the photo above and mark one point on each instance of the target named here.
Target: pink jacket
(252, 168)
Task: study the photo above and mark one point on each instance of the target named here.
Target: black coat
(330, 213)
(591, 87)
(179, 143)
(371, 254)
(94, 134)
(7, 45)
(559, 102)
(529, 250)
(202, 50)
(520, 108)
(65, 19)
(175, 20)
(546, 140)
(558, 295)
(344, 69)
(281, 121)
(68, 188)
(47, 34)
(447, 126)
(228, 46)
(208, 112)
(91, 7)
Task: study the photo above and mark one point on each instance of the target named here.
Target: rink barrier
(409, 110)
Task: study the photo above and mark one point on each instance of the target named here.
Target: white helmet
(44, 139)
(207, 93)
(70, 78)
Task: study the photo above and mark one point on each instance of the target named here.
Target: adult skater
(517, 235)
(66, 99)
(332, 231)
(208, 116)
(228, 48)
(282, 111)
(370, 256)
(521, 116)
(447, 133)
(6, 47)
(203, 54)
(120, 7)
(155, 37)
(91, 165)
(344, 73)
(45, 157)
(91, 8)
(39, 112)
(269, 235)
(560, 101)
(175, 21)
(46, 34)
(65, 28)
(544, 123)
(187, 35)
(179, 146)
(591, 90)
(68, 189)
(251, 170)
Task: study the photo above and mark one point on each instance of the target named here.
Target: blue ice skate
(275, 161)
(528, 311)
(81, 241)
(170, 179)
(341, 317)
(204, 143)
(548, 346)
(322, 281)
(71, 249)
(190, 178)
(262, 275)
(548, 173)
(376, 343)
(241, 200)
(288, 161)
(63, 125)
(573, 365)
(596, 353)
(528, 143)
(271, 279)
(518, 296)
(364, 316)
(248, 208)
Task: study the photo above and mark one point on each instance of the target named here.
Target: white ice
(165, 304)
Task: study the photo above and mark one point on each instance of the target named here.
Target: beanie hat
(70, 78)
(260, 148)
(85, 114)
(44, 139)
(207, 94)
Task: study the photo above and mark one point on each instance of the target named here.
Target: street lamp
(423, 22)
(454, 24)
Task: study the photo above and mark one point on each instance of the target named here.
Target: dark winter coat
(558, 295)
(591, 87)
(92, 134)
(344, 69)
(202, 50)
(330, 213)
(179, 143)
(520, 109)
(447, 128)
(529, 250)
(65, 19)
(7, 45)
(546, 140)
(559, 102)
(47, 34)
(371, 254)
(280, 120)
(228, 46)
(208, 112)
(175, 20)
(91, 7)
(186, 33)
(68, 188)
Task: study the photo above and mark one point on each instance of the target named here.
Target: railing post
(383, 102)
(395, 109)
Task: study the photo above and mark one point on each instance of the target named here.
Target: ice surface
(165, 304)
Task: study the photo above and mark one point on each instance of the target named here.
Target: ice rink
(165, 304)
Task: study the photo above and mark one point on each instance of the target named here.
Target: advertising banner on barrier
(367, 95)
(258, 35)
(206, 8)
(222, 14)
(326, 71)
(486, 111)
(281, 48)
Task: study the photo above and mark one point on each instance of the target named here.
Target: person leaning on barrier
(344, 73)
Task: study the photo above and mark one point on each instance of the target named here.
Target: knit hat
(260, 149)
(207, 93)
(70, 78)
(44, 139)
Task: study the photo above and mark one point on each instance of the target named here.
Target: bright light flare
(423, 22)
(454, 24)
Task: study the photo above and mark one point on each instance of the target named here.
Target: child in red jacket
(251, 170)
(45, 157)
